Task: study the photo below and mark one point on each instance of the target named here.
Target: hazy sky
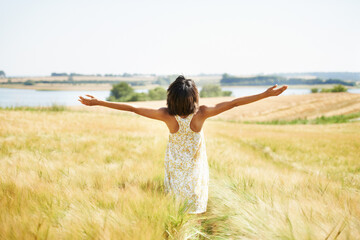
(173, 37)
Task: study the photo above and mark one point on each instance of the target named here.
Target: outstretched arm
(224, 106)
(158, 114)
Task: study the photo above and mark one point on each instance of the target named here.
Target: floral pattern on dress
(186, 166)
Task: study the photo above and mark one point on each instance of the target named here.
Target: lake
(29, 97)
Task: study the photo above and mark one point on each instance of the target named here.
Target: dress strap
(184, 121)
(190, 117)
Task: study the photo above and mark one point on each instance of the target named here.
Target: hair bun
(180, 78)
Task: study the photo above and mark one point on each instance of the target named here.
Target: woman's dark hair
(182, 97)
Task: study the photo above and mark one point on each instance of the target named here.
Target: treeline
(350, 76)
(123, 92)
(55, 74)
(337, 88)
(228, 80)
(163, 81)
(212, 90)
(70, 81)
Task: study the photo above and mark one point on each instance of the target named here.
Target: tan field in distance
(78, 78)
(147, 80)
(58, 86)
(99, 78)
(281, 107)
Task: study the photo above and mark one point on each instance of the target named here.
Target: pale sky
(178, 37)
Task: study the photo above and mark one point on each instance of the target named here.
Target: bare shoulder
(199, 119)
(206, 111)
(166, 116)
(202, 109)
(169, 120)
(164, 111)
(202, 112)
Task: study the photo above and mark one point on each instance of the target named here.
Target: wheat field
(86, 173)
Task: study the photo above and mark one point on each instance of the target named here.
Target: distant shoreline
(104, 87)
(69, 87)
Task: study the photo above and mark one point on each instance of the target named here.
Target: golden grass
(93, 174)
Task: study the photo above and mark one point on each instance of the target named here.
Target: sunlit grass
(53, 108)
(89, 175)
(343, 118)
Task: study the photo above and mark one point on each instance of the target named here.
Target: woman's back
(186, 166)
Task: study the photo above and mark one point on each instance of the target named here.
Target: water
(29, 97)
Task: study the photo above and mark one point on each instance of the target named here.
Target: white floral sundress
(186, 166)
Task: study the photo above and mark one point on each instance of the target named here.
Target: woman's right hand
(91, 101)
